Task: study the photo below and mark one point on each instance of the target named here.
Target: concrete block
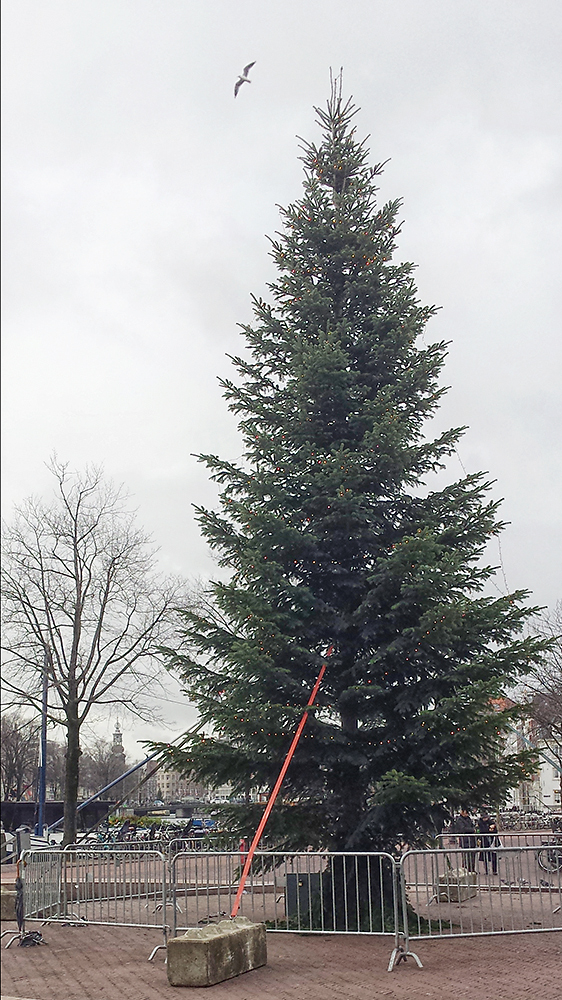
(208, 955)
(456, 885)
(8, 904)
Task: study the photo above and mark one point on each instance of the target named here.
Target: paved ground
(103, 963)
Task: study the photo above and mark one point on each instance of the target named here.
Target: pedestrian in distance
(464, 827)
(493, 842)
(484, 839)
(488, 838)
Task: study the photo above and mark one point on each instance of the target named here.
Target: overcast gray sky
(137, 196)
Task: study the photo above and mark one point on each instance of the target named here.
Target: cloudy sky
(137, 197)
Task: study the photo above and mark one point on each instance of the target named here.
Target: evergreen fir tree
(332, 534)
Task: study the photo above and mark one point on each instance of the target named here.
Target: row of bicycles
(518, 820)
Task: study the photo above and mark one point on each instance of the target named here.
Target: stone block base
(208, 955)
(456, 886)
(8, 911)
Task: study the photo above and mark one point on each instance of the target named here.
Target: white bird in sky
(243, 78)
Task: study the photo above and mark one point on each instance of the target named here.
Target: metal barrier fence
(43, 880)
(191, 844)
(446, 892)
(167, 847)
(508, 838)
(308, 892)
(119, 887)
(453, 892)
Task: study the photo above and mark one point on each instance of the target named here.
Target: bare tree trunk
(77, 579)
(72, 772)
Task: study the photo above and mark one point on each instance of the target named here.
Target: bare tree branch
(543, 689)
(19, 754)
(80, 591)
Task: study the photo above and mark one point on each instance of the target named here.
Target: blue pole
(42, 790)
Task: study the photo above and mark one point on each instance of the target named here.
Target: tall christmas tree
(333, 535)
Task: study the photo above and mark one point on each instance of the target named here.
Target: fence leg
(16, 937)
(401, 951)
(154, 950)
(165, 927)
(172, 872)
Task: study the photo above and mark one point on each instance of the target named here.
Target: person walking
(496, 842)
(465, 828)
(489, 838)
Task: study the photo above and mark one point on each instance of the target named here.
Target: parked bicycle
(550, 857)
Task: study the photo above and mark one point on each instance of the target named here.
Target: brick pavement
(103, 963)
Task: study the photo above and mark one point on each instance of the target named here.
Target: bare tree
(19, 754)
(81, 602)
(55, 769)
(101, 764)
(544, 689)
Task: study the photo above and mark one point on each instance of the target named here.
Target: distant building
(170, 786)
(221, 794)
(541, 791)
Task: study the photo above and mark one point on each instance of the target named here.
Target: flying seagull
(243, 78)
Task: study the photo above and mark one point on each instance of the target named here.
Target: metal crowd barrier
(121, 888)
(498, 890)
(508, 838)
(308, 892)
(42, 876)
(168, 847)
(206, 843)
(447, 892)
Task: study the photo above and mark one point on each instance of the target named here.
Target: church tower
(118, 752)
